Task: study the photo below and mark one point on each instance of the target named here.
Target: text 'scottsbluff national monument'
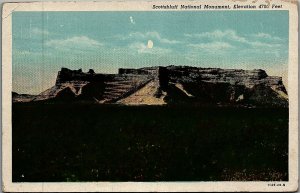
(167, 85)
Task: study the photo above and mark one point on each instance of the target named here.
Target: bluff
(169, 85)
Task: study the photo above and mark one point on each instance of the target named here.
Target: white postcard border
(8, 8)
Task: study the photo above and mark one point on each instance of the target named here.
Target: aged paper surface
(169, 96)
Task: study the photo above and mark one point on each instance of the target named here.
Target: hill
(166, 85)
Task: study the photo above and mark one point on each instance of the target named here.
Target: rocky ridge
(167, 85)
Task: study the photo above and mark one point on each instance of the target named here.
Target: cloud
(257, 44)
(212, 46)
(32, 33)
(142, 48)
(218, 35)
(157, 36)
(148, 35)
(131, 20)
(38, 31)
(259, 40)
(266, 36)
(229, 46)
(83, 43)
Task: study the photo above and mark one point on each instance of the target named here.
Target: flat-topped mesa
(154, 71)
(215, 74)
(248, 78)
(133, 71)
(91, 86)
(168, 85)
(159, 74)
(66, 75)
(180, 71)
(216, 84)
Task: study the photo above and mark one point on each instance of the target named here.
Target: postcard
(150, 96)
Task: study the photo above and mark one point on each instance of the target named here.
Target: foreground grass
(73, 142)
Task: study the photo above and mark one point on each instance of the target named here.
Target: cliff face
(91, 87)
(170, 85)
(230, 86)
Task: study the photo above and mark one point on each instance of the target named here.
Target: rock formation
(22, 97)
(168, 85)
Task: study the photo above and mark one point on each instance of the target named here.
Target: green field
(81, 142)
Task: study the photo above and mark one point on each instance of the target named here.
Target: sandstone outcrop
(168, 85)
(16, 97)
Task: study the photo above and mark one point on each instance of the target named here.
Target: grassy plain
(85, 142)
